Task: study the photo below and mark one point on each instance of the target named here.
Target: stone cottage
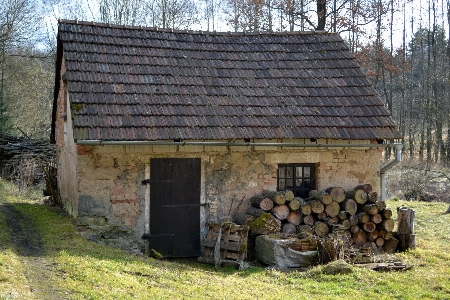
(159, 131)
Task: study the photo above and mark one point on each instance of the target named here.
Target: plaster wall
(66, 153)
(111, 197)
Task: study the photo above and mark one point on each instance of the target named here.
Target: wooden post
(406, 236)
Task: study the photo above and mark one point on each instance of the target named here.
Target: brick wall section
(109, 177)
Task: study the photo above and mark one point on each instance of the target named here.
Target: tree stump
(406, 236)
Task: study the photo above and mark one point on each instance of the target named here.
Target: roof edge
(188, 31)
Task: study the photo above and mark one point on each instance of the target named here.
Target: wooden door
(175, 206)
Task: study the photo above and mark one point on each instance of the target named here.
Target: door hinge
(145, 181)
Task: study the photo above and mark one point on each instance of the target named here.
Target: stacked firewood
(357, 216)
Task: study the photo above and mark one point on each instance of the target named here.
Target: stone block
(93, 206)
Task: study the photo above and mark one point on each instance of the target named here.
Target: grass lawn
(85, 270)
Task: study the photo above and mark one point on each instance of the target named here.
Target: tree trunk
(380, 204)
(350, 206)
(358, 195)
(289, 195)
(390, 245)
(386, 213)
(316, 206)
(321, 228)
(288, 228)
(263, 203)
(406, 236)
(327, 199)
(253, 211)
(308, 220)
(294, 204)
(359, 237)
(365, 187)
(376, 218)
(280, 211)
(277, 197)
(369, 226)
(337, 193)
(265, 224)
(305, 207)
(363, 217)
(333, 209)
(372, 197)
(370, 209)
(387, 224)
(243, 219)
(295, 218)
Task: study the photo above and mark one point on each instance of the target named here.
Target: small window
(298, 178)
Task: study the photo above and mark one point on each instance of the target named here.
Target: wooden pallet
(233, 243)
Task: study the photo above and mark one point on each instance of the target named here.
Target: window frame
(298, 190)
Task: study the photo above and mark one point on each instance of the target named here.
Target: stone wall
(111, 197)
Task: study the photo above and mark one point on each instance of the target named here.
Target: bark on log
(308, 220)
(243, 219)
(305, 229)
(369, 226)
(265, 224)
(315, 194)
(337, 193)
(253, 211)
(365, 187)
(327, 199)
(263, 203)
(321, 216)
(343, 215)
(369, 245)
(380, 204)
(333, 209)
(358, 195)
(280, 211)
(406, 236)
(353, 220)
(354, 229)
(363, 217)
(350, 206)
(370, 209)
(288, 228)
(276, 197)
(379, 242)
(305, 207)
(386, 213)
(321, 228)
(359, 237)
(372, 236)
(387, 224)
(289, 195)
(372, 197)
(390, 245)
(316, 206)
(295, 218)
(376, 218)
(294, 204)
(385, 234)
(344, 224)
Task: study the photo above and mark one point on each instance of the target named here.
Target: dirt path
(39, 269)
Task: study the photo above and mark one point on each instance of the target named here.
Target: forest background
(403, 46)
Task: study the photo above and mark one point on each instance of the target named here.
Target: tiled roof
(129, 83)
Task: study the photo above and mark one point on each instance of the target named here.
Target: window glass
(298, 172)
(298, 182)
(281, 172)
(281, 184)
(289, 172)
(289, 184)
(307, 171)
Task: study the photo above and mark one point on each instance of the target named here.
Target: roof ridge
(189, 31)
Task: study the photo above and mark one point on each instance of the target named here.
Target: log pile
(22, 158)
(357, 216)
